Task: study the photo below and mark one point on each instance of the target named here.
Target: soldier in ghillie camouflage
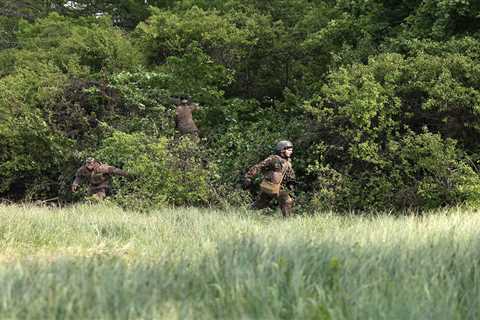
(98, 176)
(276, 169)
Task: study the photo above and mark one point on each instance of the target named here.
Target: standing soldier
(184, 119)
(278, 176)
(98, 176)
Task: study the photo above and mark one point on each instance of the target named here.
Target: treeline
(381, 98)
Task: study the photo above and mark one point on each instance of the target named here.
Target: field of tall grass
(99, 262)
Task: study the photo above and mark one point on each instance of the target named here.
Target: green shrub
(34, 160)
(33, 154)
(391, 133)
(163, 171)
(77, 45)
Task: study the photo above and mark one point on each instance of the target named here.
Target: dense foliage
(381, 98)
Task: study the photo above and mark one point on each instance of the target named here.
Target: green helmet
(184, 99)
(282, 145)
(90, 160)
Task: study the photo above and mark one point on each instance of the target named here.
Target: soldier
(278, 178)
(98, 176)
(184, 119)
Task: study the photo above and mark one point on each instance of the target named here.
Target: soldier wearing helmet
(98, 177)
(277, 172)
(184, 117)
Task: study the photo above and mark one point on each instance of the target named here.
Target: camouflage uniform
(184, 119)
(273, 168)
(98, 178)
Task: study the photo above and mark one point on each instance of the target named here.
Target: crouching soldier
(98, 177)
(278, 176)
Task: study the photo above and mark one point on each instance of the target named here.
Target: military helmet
(282, 145)
(184, 98)
(90, 160)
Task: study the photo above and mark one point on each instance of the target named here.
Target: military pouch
(270, 188)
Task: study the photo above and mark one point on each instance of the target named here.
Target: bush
(36, 158)
(77, 45)
(164, 171)
(33, 155)
(390, 133)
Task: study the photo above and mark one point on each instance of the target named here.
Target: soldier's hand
(247, 183)
(74, 188)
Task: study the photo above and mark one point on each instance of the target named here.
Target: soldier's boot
(286, 204)
(287, 210)
(99, 196)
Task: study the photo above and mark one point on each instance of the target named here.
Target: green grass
(103, 263)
